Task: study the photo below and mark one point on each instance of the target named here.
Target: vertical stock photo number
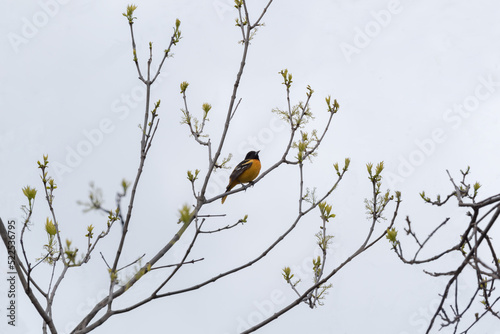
(11, 304)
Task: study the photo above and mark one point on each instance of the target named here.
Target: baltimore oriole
(245, 172)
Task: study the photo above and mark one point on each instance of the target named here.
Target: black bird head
(252, 155)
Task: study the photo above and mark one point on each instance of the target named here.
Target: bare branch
(46, 318)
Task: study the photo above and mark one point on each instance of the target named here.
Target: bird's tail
(229, 187)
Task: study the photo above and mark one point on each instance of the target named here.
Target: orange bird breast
(246, 171)
(250, 173)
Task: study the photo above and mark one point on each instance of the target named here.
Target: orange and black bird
(245, 172)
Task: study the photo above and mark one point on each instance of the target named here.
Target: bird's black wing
(239, 169)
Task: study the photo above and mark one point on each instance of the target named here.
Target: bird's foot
(249, 184)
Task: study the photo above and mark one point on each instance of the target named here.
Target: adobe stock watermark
(94, 137)
(84, 308)
(30, 27)
(263, 309)
(11, 307)
(420, 319)
(364, 36)
(258, 142)
(222, 7)
(453, 118)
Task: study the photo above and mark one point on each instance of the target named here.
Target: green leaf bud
(50, 228)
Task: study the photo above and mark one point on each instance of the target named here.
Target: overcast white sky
(419, 88)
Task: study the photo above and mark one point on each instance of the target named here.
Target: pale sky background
(419, 88)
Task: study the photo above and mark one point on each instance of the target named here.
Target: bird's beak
(258, 152)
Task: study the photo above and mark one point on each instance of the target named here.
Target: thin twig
(178, 264)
